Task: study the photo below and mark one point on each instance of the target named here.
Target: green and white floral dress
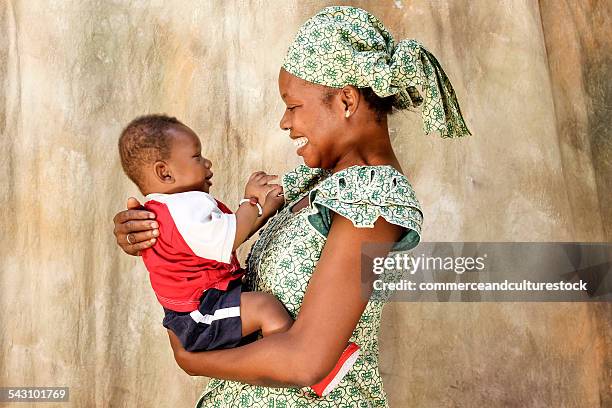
(285, 255)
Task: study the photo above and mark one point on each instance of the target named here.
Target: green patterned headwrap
(343, 45)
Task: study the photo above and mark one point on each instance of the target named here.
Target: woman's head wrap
(343, 45)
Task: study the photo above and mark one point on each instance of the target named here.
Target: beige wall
(533, 82)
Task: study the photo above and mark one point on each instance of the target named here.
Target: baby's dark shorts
(215, 325)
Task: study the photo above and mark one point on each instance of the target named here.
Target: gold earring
(347, 113)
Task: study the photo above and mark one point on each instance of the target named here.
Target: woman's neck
(371, 148)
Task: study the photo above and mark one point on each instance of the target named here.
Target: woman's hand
(138, 224)
(178, 349)
(175, 343)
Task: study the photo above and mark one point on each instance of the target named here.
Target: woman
(342, 75)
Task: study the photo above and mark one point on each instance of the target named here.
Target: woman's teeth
(300, 141)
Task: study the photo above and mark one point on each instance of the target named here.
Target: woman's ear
(350, 97)
(162, 172)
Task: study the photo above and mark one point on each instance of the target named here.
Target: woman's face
(314, 126)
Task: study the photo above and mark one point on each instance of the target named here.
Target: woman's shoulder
(379, 184)
(302, 179)
(362, 194)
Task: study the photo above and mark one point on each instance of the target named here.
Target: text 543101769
(34, 394)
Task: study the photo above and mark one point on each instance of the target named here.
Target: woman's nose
(284, 123)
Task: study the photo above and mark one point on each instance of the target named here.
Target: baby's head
(162, 155)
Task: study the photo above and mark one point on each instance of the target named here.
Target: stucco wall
(533, 83)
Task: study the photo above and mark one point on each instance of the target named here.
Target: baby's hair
(144, 141)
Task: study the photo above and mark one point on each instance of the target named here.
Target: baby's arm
(274, 201)
(247, 216)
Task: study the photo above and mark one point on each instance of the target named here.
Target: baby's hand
(258, 186)
(274, 201)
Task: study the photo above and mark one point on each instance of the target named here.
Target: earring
(347, 113)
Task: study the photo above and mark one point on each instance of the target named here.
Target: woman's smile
(300, 142)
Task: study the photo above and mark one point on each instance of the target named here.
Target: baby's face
(190, 170)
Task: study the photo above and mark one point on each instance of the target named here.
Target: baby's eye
(290, 108)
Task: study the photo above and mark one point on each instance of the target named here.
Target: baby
(192, 267)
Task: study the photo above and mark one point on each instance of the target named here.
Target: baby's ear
(162, 172)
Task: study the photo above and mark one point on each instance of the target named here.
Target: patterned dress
(285, 255)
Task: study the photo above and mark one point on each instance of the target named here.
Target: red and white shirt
(193, 251)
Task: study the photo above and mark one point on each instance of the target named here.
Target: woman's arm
(332, 306)
(141, 226)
